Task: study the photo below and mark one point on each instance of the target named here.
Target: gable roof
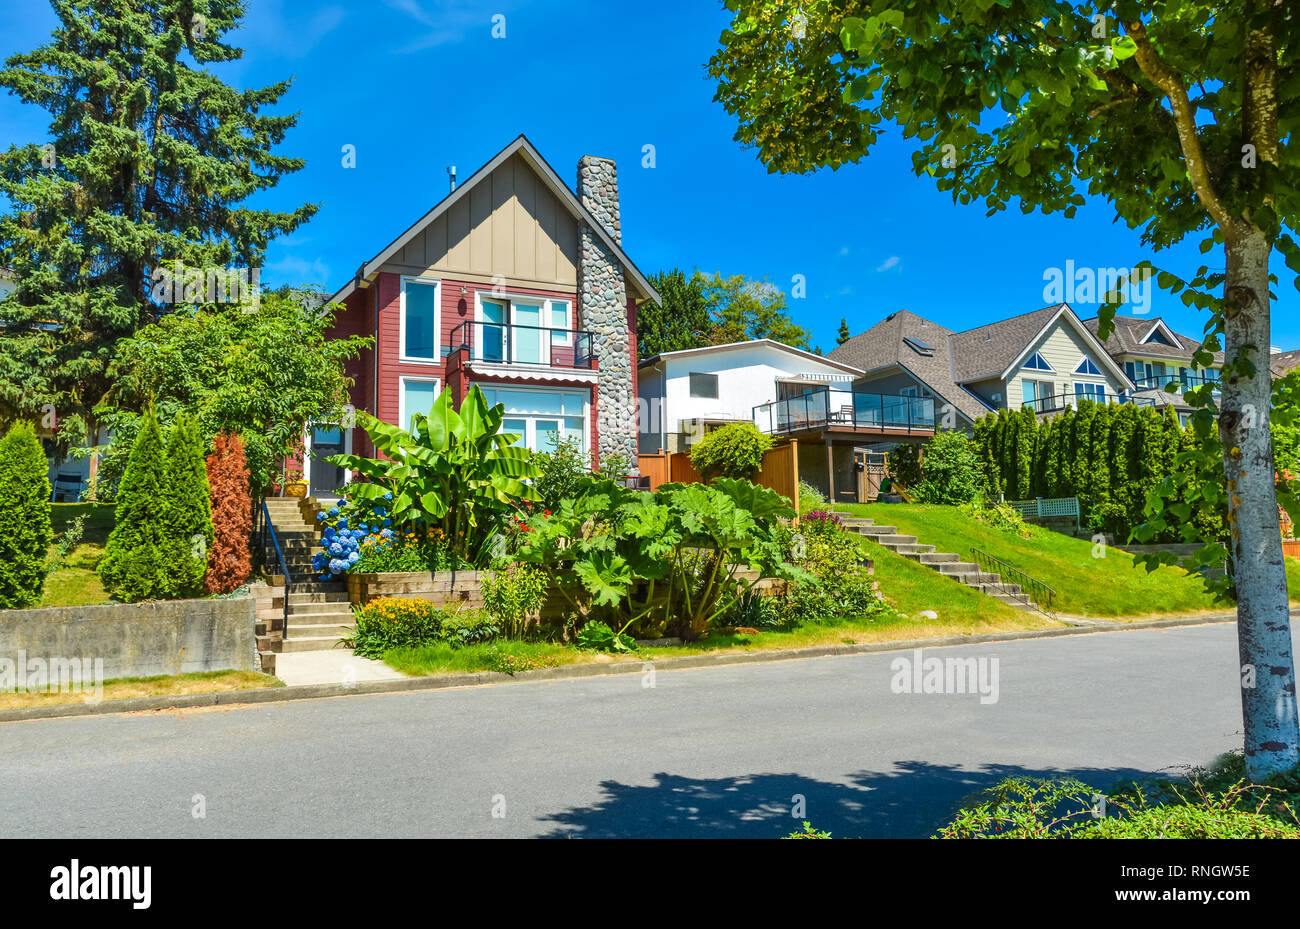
(803, 354)
(882, 347)
(534, 159)
(1130, 334)
(991, 350)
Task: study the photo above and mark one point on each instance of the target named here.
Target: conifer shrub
(189, 509)
(229, 562)
(135, 563)
(25, 531)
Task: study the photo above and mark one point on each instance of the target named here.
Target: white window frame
(547, 305)
(437, 321)
(404, 420)
(1039, 355)
(530, 426)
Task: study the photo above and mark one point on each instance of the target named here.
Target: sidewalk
(331, 666)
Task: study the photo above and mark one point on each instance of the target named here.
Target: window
(1087, 367)
(417, 396)
(532, 324)
(1094, 392)
(1159, 338)
(541, 417)
(1033, 391)
(704, 385)
(907, 392)
(419, 325)
(1037, 362)
(560, 319)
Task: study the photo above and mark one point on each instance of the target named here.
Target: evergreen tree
(1026, 438)
(844, 334)
(189, 508)
(229, 563)
(1061, 464)
(25, 531)
(148, 157)
(1081, 448)
(136, 557)
(1099, 483)
(681, 321)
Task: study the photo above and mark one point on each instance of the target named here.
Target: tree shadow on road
(911, 801)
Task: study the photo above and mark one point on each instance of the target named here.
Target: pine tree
(25, 531)
(189, 508)
(844, 335)
(136, 556)
(229, 564)
(148, 157)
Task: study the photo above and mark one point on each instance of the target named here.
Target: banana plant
(456, 471)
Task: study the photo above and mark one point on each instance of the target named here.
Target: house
(684, 394)
(514, 283)
(7, 285)
(1283, 363)
(1045, 360)
(1154, 355)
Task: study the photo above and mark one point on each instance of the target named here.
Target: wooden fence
(780, 470)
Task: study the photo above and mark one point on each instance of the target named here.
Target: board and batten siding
(509, 224)
(1064, 349)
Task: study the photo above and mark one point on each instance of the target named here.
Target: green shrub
(135, 563)
(514, 594)
(808, 832)
(468, 628)
(837, 585)
(951, 475)
(905, 465)
(399, 622)
(1000, 516)
(560, 471)
(189, 508)
(810, 498)
(598, 636)
(735, 450)
(25, 531)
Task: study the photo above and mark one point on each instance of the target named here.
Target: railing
(1186, 381)
(1060, 402)
(513, 344)
(1033, 593)
(266, 543)
(818, 409)
(1048, 508)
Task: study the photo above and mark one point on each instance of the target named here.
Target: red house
(512, 282)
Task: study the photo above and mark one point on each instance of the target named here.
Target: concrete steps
(947, 564)
(320, 615)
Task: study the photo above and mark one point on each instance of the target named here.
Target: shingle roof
(882, 346)
(1126, 338)
(989, 350)
(1284, 362)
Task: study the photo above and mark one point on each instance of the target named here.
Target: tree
(189, 508)
(1178, 114)
(682, 321)
(264, 375)
(135, 560)
(25, 531)
(844, 334)
(745, 309)
(951, 474)
(229, 563)
(148, 157)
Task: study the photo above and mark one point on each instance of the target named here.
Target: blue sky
(417, 85)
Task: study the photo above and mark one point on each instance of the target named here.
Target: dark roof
(882, 346)
(989, 350)
(1284, 362)
(1126, 339)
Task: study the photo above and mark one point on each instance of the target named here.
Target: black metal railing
(1033, 593)
(818, 409)
(1185, 381)
(513, 344)
(268, 545)
(1069, 401)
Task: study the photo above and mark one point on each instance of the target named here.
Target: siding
(1063, 349)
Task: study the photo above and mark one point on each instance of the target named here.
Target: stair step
(933, 557)
(913, 552)
(327, 606)
(893, 541)
(957, 567)
(877, 530)
(338, 595)
(315, 630)
(310, 644)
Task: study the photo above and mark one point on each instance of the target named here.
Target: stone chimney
(602, 309)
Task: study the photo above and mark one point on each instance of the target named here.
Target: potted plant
(294, 485)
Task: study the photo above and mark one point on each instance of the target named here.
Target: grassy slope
(1085, 586)
(76, 583)
(198, 682)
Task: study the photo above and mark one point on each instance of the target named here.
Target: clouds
(889, 263)
(444, 21)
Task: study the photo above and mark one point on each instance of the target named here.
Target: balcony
(847, 411)
(1183, 381)
(523, 346)
(1045, 406)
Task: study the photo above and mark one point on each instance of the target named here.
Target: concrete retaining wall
(139, 639)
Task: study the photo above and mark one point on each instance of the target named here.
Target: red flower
(546, 512)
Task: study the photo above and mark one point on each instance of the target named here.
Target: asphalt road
(709, 753)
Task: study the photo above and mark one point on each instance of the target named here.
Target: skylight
(919, 346)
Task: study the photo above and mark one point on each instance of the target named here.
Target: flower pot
(295, 490)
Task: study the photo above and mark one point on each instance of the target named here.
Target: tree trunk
(1272, 734)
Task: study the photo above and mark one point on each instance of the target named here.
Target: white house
(7, 285)
(683, 394)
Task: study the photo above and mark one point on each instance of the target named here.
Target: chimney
(451, 176)
(602, 309)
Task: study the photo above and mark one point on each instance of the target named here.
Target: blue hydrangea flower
(388, 495)
(354, 557)
(343, 522)
(388, 522)
(320, 517)
(336, 549)
(334, 511)
(336, 566)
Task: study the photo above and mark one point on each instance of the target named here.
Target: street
(701, 753)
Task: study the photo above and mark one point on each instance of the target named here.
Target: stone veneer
(602, 309)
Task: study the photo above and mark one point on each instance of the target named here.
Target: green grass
(165, 685)
(75, 582)
(1085, 586)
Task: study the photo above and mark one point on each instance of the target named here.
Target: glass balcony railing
(512, 344)
(1060, 402)
(819, 409)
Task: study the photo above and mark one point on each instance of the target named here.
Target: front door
(326, 478)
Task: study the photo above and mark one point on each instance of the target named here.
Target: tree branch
(1184, 120)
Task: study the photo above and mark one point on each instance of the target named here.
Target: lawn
(75, 583)
(1086, 586)
(169, 685)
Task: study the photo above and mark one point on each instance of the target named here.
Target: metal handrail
(1042, 596)
(267, 530)
(576, 345)
(824, 407)
(1069, 401)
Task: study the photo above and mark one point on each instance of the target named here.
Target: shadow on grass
(912, 801)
